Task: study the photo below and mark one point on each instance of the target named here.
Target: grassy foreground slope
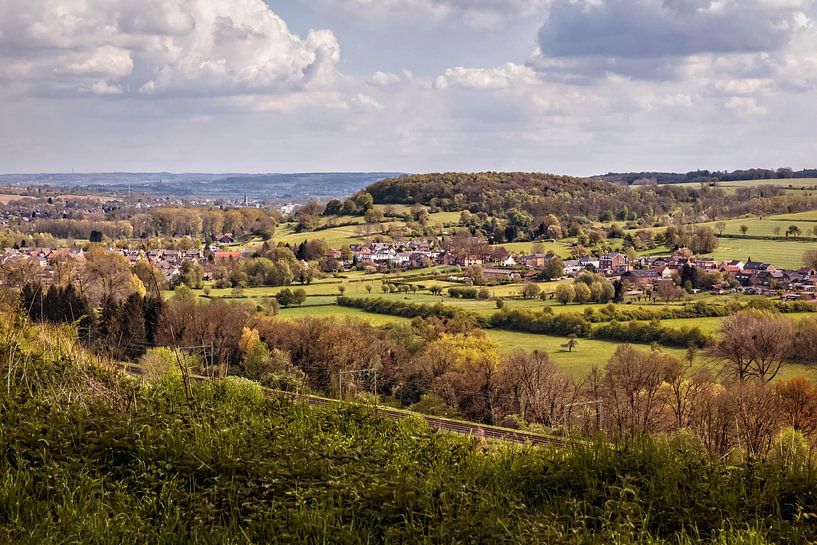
(91, 456)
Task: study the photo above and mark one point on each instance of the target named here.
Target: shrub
(410, 310)
(463, 293)
(163, 363)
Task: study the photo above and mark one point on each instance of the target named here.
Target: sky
(567, 86)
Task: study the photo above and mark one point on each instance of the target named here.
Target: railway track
(445, 424)
(442, 424)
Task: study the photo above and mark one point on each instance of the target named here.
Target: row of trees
(587, 288)
(98, 276)
(197, 223)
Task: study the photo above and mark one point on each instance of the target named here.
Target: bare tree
(754, 344)
(107, 275)
(66, 268)
(20, 270)
(720, 226)
(683, 388)
(713, 420)
(798, 400)
(758, 415)
(810, 257)
(542, 390)
(631, 388)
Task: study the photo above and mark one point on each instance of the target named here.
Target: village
(494, 265)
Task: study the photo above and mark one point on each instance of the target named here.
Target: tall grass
(139, 463)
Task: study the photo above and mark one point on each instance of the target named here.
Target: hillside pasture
(780, 253)
(765, 227)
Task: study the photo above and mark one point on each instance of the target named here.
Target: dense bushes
(536, 194)
(547, 324)
(463, 293)
(698, 309)
(576, 324)
(409, 310)
(652, 332)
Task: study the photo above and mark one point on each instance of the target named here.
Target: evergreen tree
(31, 299)
(108, 334)
(153, 308)
(53, 305)
(132, 327)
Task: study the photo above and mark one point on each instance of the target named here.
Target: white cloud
(487, 79)
(160, 47)
(226, 85)
(481, 14)
(387, 79)
(745, 105)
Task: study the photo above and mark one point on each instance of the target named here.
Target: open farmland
(772, 226)
(781, 253)
(794, 186)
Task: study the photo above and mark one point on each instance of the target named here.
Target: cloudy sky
(568, 86)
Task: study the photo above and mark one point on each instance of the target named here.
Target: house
(534, 261)
(643, 277)
(734, 266)
(500, 274)
(575, 266)
(706, 264)
(226, 239)
(757, 266)
(572, 266)
(613, 262)
(509, 261)
(227, 256)
(471, 260)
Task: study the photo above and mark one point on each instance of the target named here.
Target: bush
(463, 293)
(543, 323)
(163, 363)
(653, 332)
(410, 310)
(240, 391)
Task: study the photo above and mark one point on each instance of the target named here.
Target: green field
(588, 353)
(335, 237)
(766, 227)
(791, 185)
(334, 311)
(781, 253)
(562, 248)
(810, 215)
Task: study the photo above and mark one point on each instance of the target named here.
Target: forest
(577, 199)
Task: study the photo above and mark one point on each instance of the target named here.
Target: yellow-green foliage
(165, 363)
(241, 390)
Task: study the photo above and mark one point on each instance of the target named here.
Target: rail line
(443, 424)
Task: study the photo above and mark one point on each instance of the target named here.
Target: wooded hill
(707, 176)
(538, 194)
